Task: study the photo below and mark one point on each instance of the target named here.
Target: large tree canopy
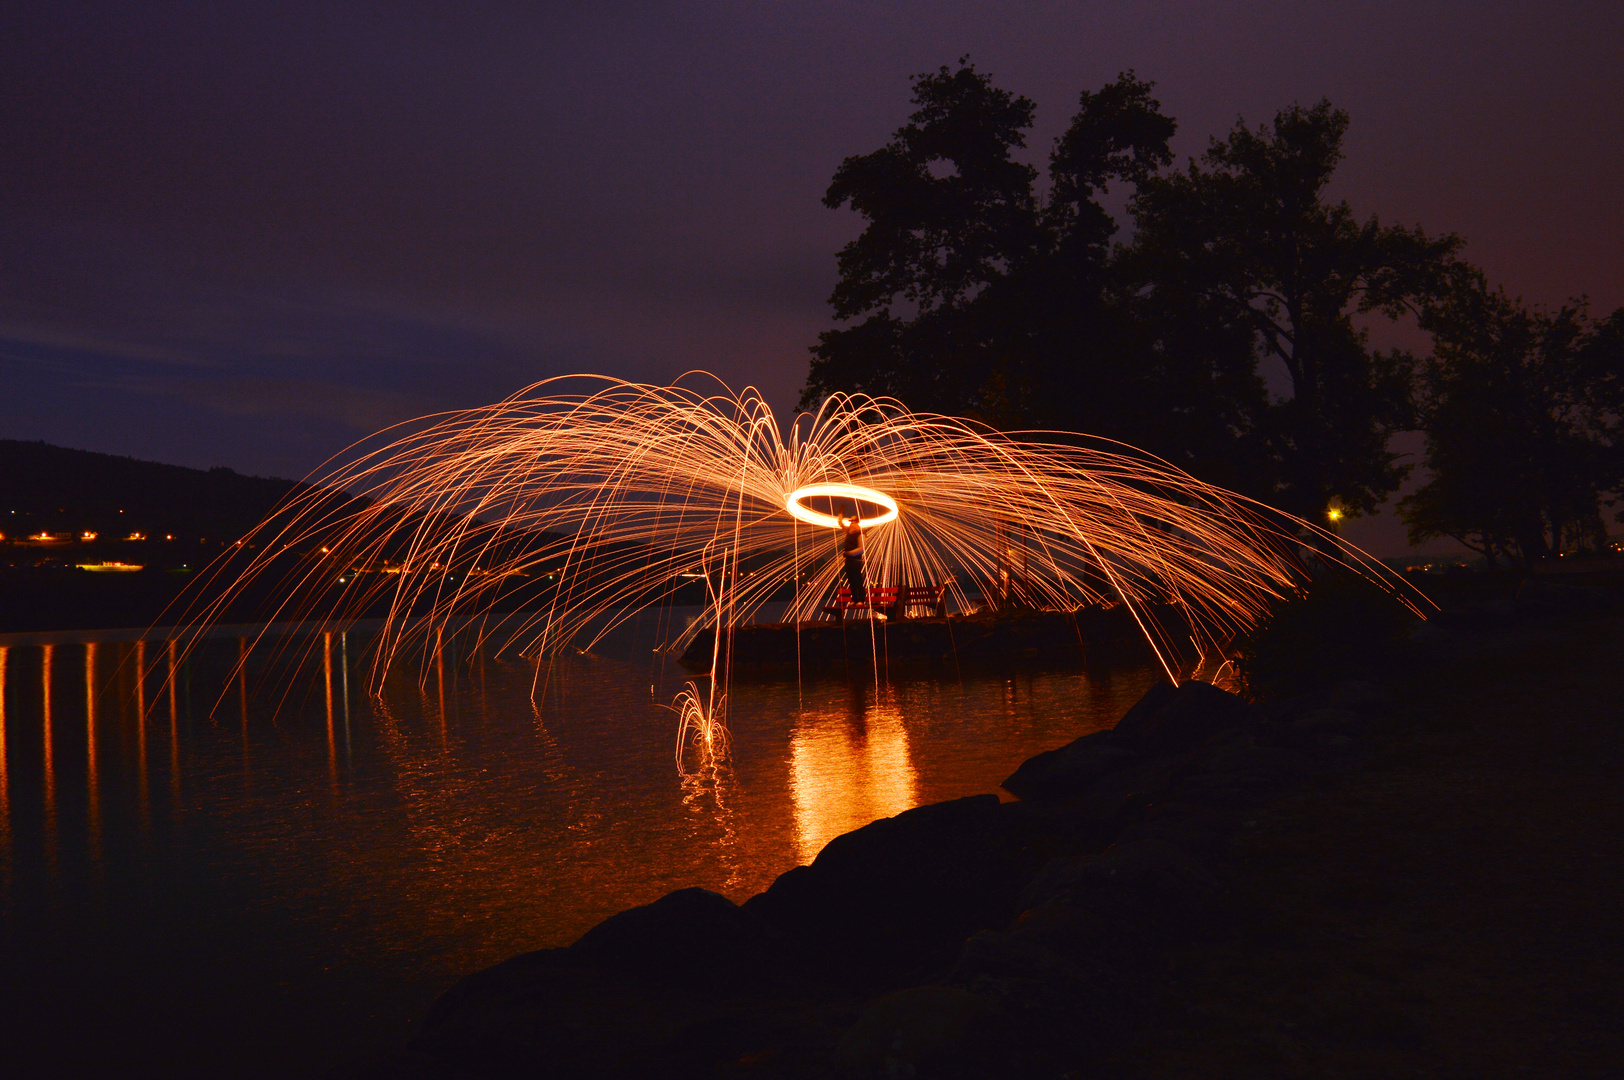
(967, 292)
(1521, 410)
(949, 213)
(1250, 236)
(972, 291)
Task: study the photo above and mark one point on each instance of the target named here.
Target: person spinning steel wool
(851, 544)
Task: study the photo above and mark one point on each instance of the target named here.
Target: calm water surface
(283, 877)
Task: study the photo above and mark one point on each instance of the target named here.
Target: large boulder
(1166, 723)
(1240, 777)
(1175, 719)
(1055, 774)
(903, 891)
(638, 994)
(691, 936)
(929, 1033)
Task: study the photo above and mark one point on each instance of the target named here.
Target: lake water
(262, 876)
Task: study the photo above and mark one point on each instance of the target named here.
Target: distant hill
(52, 489)
(62, 510)
(93, 540)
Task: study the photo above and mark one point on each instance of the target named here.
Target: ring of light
(840, 491)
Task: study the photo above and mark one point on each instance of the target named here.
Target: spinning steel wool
(601, 495)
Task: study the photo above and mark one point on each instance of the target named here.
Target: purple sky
(248, 234)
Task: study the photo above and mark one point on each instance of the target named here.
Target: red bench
(882, 597)
(933, 597)
(894, 601)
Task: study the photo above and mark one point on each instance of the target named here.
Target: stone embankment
(966, 938)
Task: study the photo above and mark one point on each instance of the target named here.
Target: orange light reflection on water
(49, 774)
(174, 728)
(327, 673)
(5, 786)
(847, 770)
(141, 730)
(92, 780)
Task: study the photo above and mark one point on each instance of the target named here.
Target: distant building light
(88, 535)
(169, 536)
(136, 535)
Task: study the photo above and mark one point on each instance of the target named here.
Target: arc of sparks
(598, 495)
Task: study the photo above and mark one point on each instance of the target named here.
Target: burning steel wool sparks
(601, 496)
(701, 726)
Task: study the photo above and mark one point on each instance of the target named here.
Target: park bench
(933, 597)
(893, 601)
(882, 597)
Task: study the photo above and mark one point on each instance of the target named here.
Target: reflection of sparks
(842, 780)
(5, 790)
(49, 763)
(601, 494)
(92, 784)
(798, 509)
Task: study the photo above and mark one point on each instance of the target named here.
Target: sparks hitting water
(605, 494)
(701, 727)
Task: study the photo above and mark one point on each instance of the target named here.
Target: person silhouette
(851, 545)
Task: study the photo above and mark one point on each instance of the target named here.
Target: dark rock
(1158, 873)
(1171, 720)
(1330, 720)
(557, 1014)
(1136, 874)
(1074, 971)
(1055, 774)
(1359, 696)
(637, 991)
(1167, 722)
(688, 936)
(994, 960)
(927, 1032)
(903, 891)
(1101, 914)
(1200, 830)
(1248, 776)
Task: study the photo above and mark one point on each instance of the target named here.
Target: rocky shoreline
(966, 938)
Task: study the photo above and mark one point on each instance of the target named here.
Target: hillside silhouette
(55, 490)
(95, 541)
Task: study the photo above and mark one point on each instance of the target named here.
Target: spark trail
(604, 494)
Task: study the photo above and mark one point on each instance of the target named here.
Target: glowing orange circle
(840, 491)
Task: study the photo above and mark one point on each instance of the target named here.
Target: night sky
(248, 234)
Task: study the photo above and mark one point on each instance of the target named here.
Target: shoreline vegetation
(1411, 872)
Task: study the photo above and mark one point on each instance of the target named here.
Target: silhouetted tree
(1245, 245)
(949, 213)
(966, 293)
(974, 296)
(1083, 365)
(1521, 410)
